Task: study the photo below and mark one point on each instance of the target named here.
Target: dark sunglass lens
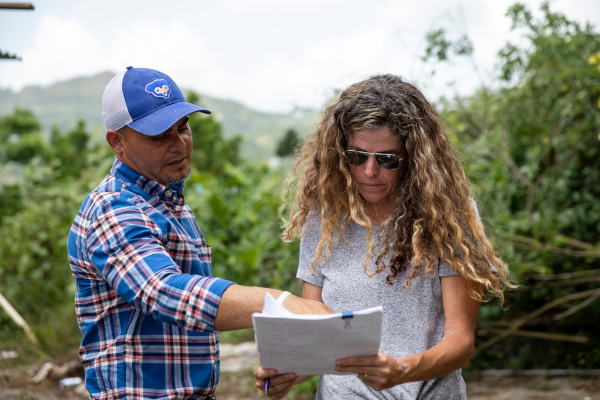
(355, 158)
(388, 161)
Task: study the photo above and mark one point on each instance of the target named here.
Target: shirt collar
(132, 178)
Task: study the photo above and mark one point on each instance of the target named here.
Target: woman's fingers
(281, 388)
(279, 385)
(361, 371)
(378, 372)
(262, 374)
(376, 360)
(281, 381)
(363, 365)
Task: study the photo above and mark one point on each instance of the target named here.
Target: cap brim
(164, 118)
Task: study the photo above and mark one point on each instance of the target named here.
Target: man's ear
(115, 141)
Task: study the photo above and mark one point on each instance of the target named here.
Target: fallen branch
(568, 275)
(532, 244)
(515, 326)
(564, 283)
(17, 318)
(538, 372)
(538, 335)
(578, 281)
(576, 308)
(49, 369)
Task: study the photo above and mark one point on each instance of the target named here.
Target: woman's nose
(371, 166)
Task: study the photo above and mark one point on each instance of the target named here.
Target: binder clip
(347, 316)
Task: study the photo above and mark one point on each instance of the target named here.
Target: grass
(243, 335)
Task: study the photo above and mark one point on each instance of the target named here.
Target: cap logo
(159, 88)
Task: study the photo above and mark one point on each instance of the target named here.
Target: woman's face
(375, 183)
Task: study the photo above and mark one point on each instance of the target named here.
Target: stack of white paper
(310, 344)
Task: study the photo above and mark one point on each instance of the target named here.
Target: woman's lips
(372, 186)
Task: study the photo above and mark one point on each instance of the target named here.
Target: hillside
(62, 103)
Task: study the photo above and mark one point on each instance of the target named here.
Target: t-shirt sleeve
(308, 249)
(446, 270)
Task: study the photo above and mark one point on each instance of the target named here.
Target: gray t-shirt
(413, 319)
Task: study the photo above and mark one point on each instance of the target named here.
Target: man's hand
(298, 305)
(279, 385)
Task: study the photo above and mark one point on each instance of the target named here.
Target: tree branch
(14, 314)
(532, 244)
(568, 275)
(576, 308)
(537, 335)
(515, 326)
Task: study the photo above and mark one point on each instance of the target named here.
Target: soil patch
(237, 383)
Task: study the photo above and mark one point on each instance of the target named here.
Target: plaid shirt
(145, 302)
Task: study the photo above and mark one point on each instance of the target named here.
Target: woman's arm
(280, 385)
(453, 352)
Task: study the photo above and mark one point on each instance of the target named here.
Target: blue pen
(267, 385)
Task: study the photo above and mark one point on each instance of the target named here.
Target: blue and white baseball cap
(146, 100)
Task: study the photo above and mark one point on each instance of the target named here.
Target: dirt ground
(238, 362)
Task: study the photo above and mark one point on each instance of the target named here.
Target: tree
(20, 122)
(288, 143)
(211, 149)
(20, 135)
(532, 149)
(69, 151)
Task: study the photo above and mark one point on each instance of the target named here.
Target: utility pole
(13, 6)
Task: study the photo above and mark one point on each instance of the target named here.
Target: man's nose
(371, 166)
(177, 144)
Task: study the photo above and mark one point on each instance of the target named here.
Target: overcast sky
(272, 55)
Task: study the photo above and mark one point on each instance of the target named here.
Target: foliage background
(530, 142)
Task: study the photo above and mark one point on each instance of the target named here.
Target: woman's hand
(378, 372)
(279, 385)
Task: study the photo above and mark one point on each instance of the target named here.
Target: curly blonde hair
(433, 217)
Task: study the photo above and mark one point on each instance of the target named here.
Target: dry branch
(515, 326)
(568, 275)
(532, 244)
(576, 308)
(17, 318)
(574, 242)
(579, 281)
(538, 335)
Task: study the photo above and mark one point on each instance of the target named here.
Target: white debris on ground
(51, 370)
(7, 355)
(238, 357)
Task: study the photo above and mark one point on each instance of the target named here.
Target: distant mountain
(63, 103)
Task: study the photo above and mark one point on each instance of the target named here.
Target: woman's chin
(376, 199)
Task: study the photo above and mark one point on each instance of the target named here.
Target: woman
(383, 210)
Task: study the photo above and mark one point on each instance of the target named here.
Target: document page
(310, 344)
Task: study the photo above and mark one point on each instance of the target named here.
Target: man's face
(164, 158)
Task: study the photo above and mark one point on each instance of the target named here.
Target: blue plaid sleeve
(127, 249)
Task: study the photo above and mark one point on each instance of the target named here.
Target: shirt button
(167, 193)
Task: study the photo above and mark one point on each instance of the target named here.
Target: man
(147, 305)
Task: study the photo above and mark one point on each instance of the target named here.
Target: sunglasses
(387, 161)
